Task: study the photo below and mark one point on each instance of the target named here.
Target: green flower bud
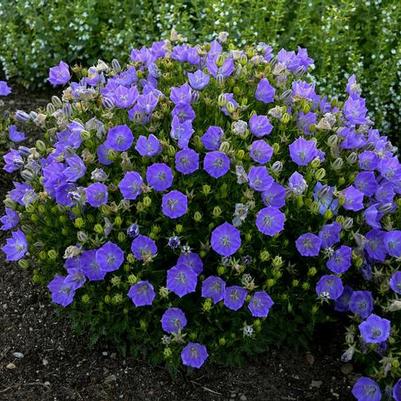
(306, 106)
(147, 201)
(276, 148)
(198, 217)
(163, 292)
(222, 341)
(225, 147)
(314, 207)
(328, 214)
(216, 212)
(240, 154)
(34, 218)
(107, 299)
(167, 353)
(23, 263)
(85, 135)
(264, 255)
(79, 222)
(36, 278)
(221, 270)
(207, 305)
(63, 219)
(315, 163)
(221, 100)
(40, 146)
(121, 236)
(206, 189)
(315, 309)
(341, 181)
(193, 336)
(305, 286)
(117, 299)
(131, 258)
(42, 255)
(395, 363)
(139, 207)
(143, 324)
(300, 201)
(230, 107)
(132, 279)
(118, 221)
(126, 267)
(248, 237)
(312, 271)
(285, 118)
(41, 209)
(320, 174)
(277, 262)
(98, 229)
(270, 282)
(52, 254)
(85, 299)
(179, 228)
(115, 281)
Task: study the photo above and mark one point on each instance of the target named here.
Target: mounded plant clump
(203, 202)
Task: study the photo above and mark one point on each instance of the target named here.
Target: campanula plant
(204, 201)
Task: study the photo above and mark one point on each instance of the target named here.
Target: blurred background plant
(343, 36)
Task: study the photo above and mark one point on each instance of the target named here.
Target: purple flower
(76, 168)
(260, 304)
(20, 193)
(186, 161)
(184, 112)
(60, 74)
(234, 297)
(366, 389)
(259, 178)
(181, 132)
(392, 243)
(13, 161)
(361, 303)
(302, 151)
(5, 90)
(181, 280)
(131, 185)
(274, 196)
(16, 246)
(216, 164)
(214, 288)
(299, 62)
(109, 257)
(103, 154)
(15, 135)
(397, 391)
(194, 355)
(270, 221)
(374, 245)
(305, 121)
(148, 146)
(353, 199)
(75, 278)
(297, 183)
(303, 90)
(174, 204)
(191, 260)
(143, 247)
(260, 126)
(330, 234)
(226, 239)
(61, 292)
(119, 138)
(341, 304)
(375, 330)
(146, 103)
(264, 91)
(365, 182)
(142, 293)
(133, 230)
(198, 80)
(308, 244)
(330, 286)
(340, 261)
(181, 94)
(124, 97)
(159, 176)
(395, 282)
(96, 194)
(355, 110)
(173, 320)
(211, 139)
(90, 266)
(368, 160)
(229, 98)
(9, 220)
(261, 152)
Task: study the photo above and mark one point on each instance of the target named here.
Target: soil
(41, 359)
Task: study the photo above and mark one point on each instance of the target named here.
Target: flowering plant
(189, 201)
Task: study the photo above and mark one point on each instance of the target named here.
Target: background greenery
(343, 36)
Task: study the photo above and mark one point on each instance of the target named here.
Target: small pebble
(10, 366)
(243, 397)
(316, 383)
(18, 355)
(110, 379)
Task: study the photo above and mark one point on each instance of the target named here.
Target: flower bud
(240, 154)
(230, 107)
(207, 305)
(216, 211)
(98, 229)
(221, 100)
(23, 263)
(198, 217)
(295, 283)
(352, 158)
(222, 341)
(277, 262)
(312, 271)
(85, 299)
(121, 237)
(221, 270)
(22, 116)
(40, 146)
(115, 65)
(147, 201)
(264, 255)
(320, 174)
(82, 236)
(285, 118)
(167, 353)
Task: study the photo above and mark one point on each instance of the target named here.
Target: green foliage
(343, 36)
